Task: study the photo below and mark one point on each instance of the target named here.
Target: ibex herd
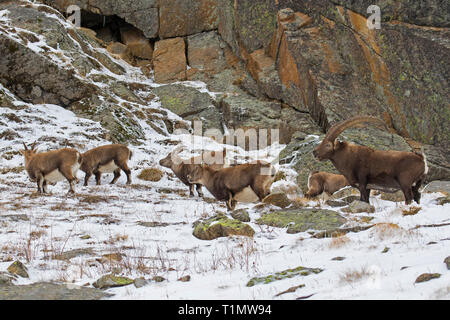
(57, 165)
(361, 167)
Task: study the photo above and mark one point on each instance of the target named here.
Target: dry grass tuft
(339, 242)
(411, 211)
(151, 174)
(300, 201)
(92, 199)
(354, 275)
(387, 230)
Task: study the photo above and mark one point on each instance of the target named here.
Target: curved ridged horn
(174, 155)
(26, 148)
(338, 128)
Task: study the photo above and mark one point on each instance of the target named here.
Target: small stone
(335, 203)
(447, 262)
(110, 257)
(438, 186)
(6, 278)
(74, 253)
(112, 281)
(358, 207)
(278, 199)
(158, 279)
(19, 269)
(403, 268)
(338, 258)
(345, 192)
(386, 249)
(395, 197)
(221, 226)
(350, 199)
(427, 277)
(140, 282)
(241, 215)
(443, 200)
(185, 278)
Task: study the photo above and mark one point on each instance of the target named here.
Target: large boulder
(169, 60)
(301, 220)
(221, 226)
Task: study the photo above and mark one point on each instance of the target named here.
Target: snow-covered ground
(114, 219)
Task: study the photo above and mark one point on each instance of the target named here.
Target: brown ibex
(51, 166)
(319, 182)
(106, 159)
(242, 183)
(181, 168)
(366, 168)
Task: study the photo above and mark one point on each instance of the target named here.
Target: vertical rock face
(435, 13)
(205, 52)
(186, 17)
(331, 65)
(143, 14)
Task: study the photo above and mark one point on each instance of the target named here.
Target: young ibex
(51, 166)
(319, 182)
(242, 183)
(181, 168)
(106, 159)
(366, 168)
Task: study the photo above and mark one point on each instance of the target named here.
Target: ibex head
(330, 144)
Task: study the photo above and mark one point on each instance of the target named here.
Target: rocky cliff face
(298, 66)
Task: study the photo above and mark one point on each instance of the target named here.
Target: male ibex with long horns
(366, 168)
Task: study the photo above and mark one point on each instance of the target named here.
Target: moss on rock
(301, 220)
(288, 273)
(221, 226)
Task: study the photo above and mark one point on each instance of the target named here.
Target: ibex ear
(22, 152)
(337, 144)
(33, 146)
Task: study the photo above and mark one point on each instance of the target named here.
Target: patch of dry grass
(300, 201)
(411, 211)
(339, 242)
(355, 275)
(387, 230)
(93, 199)
(151, 174)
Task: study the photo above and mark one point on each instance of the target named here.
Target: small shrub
(411, 211)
